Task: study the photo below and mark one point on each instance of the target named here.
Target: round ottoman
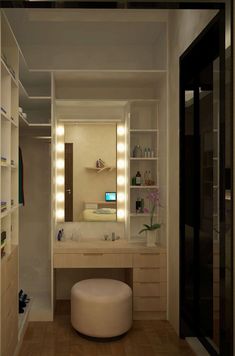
(101, 307)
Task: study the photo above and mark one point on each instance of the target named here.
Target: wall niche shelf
(143, 158)
(100, 170)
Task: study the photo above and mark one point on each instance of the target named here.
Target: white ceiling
(54, 34)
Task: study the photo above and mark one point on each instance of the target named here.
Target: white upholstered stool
(101, 307)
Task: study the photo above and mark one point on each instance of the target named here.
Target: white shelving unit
(9, 187)
(144, 133)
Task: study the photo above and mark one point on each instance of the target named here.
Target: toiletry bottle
(59, 235)
(138, 151)
(138, 205)
(145, 152)
(149, 153)
(135, 151)
(138, 178)
(152, 152)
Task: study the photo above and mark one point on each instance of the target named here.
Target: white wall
(184, 27)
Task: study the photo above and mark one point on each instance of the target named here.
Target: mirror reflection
(90, 171)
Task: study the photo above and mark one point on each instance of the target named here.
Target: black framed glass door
(203, 206)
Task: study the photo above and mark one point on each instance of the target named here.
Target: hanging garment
(21, 178)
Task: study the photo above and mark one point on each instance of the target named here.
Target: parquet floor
(57, 338)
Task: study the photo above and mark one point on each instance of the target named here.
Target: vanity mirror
(90, 171)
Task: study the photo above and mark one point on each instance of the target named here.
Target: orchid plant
(153, 198)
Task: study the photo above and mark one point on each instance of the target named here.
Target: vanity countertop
(94, 246)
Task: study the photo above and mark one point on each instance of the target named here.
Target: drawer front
(147, 289)
(149, 274)
(155, 260)
(92, 260)
(149, 304)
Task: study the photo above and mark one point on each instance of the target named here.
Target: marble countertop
(101, 246)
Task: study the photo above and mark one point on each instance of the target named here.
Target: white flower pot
(151, 238)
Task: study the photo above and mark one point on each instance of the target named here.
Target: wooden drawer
(92, 260)
(149, 274)
(147, 289)
(149, 303)
(155, 260)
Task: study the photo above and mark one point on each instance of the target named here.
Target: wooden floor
(146, 338)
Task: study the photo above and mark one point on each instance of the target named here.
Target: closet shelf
(5, 164)
(14, 123)
(103, 169)
(5, 213)
(5, 67)
(5, 116)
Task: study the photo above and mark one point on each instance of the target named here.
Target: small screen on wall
(110, 196)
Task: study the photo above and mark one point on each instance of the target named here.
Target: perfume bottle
(138, 178)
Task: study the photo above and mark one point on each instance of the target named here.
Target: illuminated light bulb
(60, 163)
(60, 214)
(60, 147)
(121, 130)
(120, 213)
(60, 180)
(121, 163)
(120, 147)
(120, 197)
(60, 130)
(120, 180)
(60, 197)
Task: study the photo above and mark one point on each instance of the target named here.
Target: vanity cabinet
(146, 266)
(149, 286)
(9, 303)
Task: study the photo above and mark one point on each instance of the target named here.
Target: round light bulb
(60, 180)
(121, 163)
(120, 180)
(60, 147)
(60, 163)
(120, 147)
(120, 213)
(60, 214)
(60, 130)
(121, 130)
(60, 197)
(120, 197)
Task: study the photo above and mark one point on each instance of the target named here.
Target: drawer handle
(149, 297)
(148, 282)
(151, 254)
(93, 254)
